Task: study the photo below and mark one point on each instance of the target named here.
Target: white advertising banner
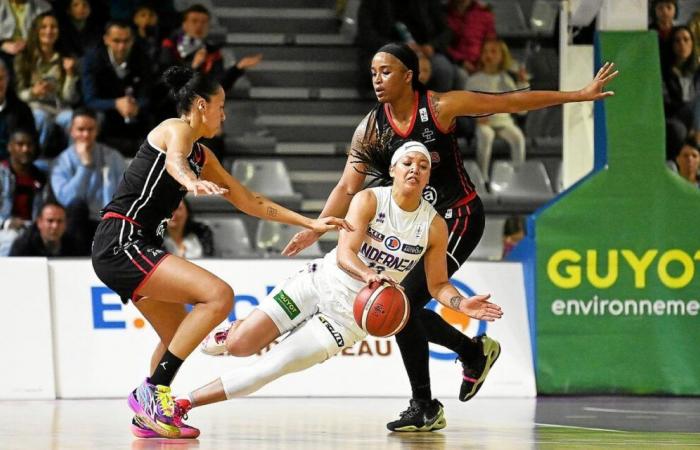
(103, 348)
(25, 330)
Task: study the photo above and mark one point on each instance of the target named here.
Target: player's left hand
(479, 307)
(594, 90)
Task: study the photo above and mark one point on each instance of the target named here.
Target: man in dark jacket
(47, 237)
(117, 81)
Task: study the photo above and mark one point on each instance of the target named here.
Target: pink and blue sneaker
(182, 406)
(155, 408)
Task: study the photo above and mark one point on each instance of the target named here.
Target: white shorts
(310, 295)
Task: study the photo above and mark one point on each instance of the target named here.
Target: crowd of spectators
(79, 89)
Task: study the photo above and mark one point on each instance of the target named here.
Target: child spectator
(688, 162)
(513, 232)
(494, 77)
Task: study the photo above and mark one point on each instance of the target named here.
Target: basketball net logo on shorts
(430, 195)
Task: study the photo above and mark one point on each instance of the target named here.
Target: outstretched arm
(453, 104)
(478, 306)
(254, 204)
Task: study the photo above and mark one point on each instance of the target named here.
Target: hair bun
(177, 76)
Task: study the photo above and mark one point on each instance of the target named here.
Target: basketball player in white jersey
(394, 228)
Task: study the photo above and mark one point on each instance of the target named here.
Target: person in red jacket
(471, 23)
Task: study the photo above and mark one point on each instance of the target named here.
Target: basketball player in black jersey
(406, 110)
(127, 254)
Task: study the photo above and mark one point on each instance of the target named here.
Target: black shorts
(122, 260)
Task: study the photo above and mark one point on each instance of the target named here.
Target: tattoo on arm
(272, 212)
(455, 301)
(182, 168)
(435, 104)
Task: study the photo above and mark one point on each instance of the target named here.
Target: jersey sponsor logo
(423, 114)
(379, 258)
(374, 234)
(434, 157)
(412, 249)
(337, 336)
(428, 135)
(392, 243)
(287, 304)
(154, 251)
(430, 195)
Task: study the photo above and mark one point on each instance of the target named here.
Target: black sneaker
(421, 415)
(474, 372)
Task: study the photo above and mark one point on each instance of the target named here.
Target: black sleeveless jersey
(449, 185)
(147, 194)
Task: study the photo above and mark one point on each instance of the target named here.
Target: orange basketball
(381, 309)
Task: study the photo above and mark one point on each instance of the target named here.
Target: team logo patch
(412, 249)
(392, 243)
(337, 336)
(374, 234)
(287, 304)
(434, 157)
(428, 135)
(430, 195)
(419, 231)
(423, 114)
(380, 217)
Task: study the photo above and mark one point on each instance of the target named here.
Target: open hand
(478, 307)
(300, 241)
(594, 90)
(249, 61)
(206, 187)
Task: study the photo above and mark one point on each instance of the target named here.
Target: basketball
(381, 309)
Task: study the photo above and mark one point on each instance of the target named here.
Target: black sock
(414, 352)
(166, 369)
(442, 333)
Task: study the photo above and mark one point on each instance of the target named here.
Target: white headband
(410, 146)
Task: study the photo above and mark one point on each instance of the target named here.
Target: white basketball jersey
(394, 240)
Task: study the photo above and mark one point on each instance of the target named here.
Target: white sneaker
(215, 342)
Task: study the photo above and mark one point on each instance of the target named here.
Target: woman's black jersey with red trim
(148, 194)
(449, 183)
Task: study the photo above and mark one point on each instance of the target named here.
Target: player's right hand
(300, 241)
(375, 277)
(205, 187)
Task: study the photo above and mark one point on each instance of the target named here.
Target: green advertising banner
(618, 257)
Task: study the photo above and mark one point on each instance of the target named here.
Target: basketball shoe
(154, 406)
(474, 372)
(182, 406)
(421, 415)
(215, 342)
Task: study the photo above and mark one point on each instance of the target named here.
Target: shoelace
(411, 411)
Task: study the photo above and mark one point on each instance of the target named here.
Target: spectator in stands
(146, 22)
(117, 82)
(14, 113)
(22, 188)
(47, 237)
(472, 23)
(694, 27)
(85, 176)
(663, 14)
(79, 29)
(688, 161)
(47, 80)
(420, 24)
(494, 77)
(16, 17)
(513, 232)
(191, 46)
(187, 238)
(681, 88)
